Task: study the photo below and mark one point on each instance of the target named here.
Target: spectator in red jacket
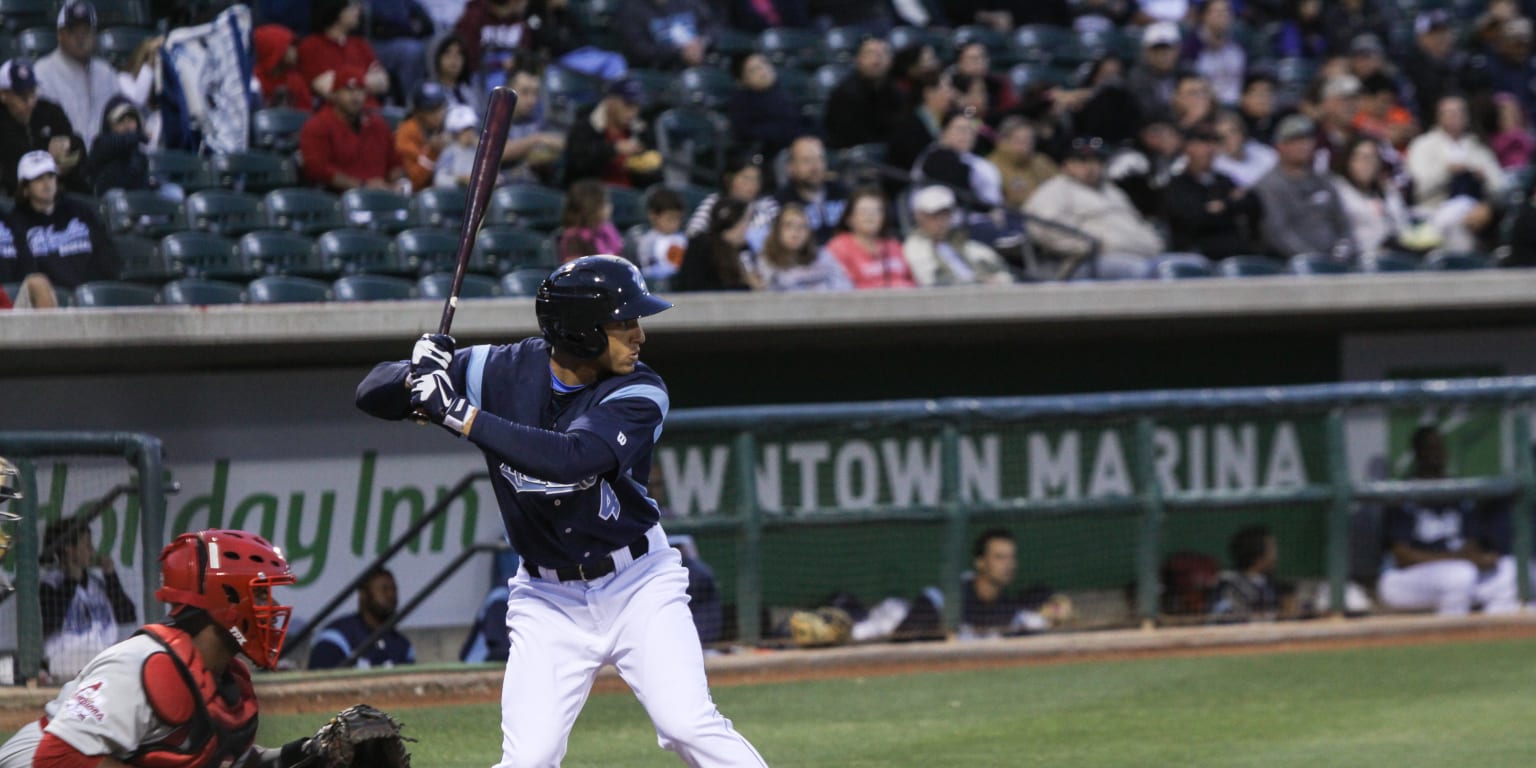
(335, 44)
(346, 145)
(277, 61)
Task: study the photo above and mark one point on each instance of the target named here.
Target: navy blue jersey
(1448, 527)
(335, 643)
(569, 472)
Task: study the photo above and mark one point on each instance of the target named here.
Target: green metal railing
(1144, 410)
(26, 449)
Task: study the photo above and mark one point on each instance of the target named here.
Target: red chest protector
(214, 722)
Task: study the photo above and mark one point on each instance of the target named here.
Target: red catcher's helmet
(230, 576)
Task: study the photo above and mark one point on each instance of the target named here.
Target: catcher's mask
(10, 488)
(230, 575)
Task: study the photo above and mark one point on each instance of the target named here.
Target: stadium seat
(826, 79)
(17, 15)
(798, 84)
(426, 249)
(376, 209)
(693, 196)
(998, 48)
(180, 167)
(1457, 262)
(1030, 77)
(567, 91)
(37, 42)
(253, 171)
(1039, 43)
(500, 249)
(111, 293)
(1094, 44)
(1249, 266)
(143, 262)
(285, 289)
(373, 288)
(194, 292)
(308, 211)
(523, 282)
(117, 44)
(694, 136)
(142, 212)
(705, 87)
(7, 43)
(286, 253)
(440, 207)
(730, 43)
(1391, 262)
(223, 212)
(362, 251)
(277, 128)
(791, 47)
(124, 13)
(656, 84)
(840, 44)
(527, 205)
(1179, 266)
(903, 37)
(437, 285)
(1317, 264)
(628, 207)
(393, 114)
(209, 256)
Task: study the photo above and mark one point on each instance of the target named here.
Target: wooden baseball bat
(482, 179)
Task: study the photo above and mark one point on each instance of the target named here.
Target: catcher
(176, 695)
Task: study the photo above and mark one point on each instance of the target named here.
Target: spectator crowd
(804, 145)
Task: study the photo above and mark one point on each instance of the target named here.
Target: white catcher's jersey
(103, 711)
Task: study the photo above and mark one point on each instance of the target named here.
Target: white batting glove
(433, 352)
(433, 397)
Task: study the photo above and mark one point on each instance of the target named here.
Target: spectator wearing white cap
(1153, 78)
(73, 76)
(66, 240)
(939, 253)
(31, 122)
(457, 160)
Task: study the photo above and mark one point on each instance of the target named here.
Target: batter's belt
(611, 562)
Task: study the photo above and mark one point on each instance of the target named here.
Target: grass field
(1433, 705)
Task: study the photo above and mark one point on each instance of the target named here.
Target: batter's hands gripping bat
(482, 179)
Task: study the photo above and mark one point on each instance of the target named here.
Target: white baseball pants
(1451, 587)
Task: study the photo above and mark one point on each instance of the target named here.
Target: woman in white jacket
(1454, 176)
(1378, 216)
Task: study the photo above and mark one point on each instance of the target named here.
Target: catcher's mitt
(824, 626)
(359, 736)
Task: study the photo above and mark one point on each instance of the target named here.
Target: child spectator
(1513, 144)
(587, 222)
(941, 254)
(661, 247)
(719, 259)
(277, 60)
(791, 261)
(420, 139)
(863, 245)
(457, 160)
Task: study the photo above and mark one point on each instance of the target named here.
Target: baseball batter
(567, 424)
(176, 694)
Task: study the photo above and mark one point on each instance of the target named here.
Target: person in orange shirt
(421, 138)
(1381, 116)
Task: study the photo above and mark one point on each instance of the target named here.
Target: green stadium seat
(307, 211)
(841, 44)
(182, 168)
(393, 114)
(628, 207)
(376, 209)
(118, 44)
(826, 79)
(1391, 262)
(1317, 264)
(361, 251)
(112, 293)
(277, 128)
(223, 212)
(567, 91)
(939, 39)
(143, 262)
(287, 289)
(500, 249)
(730, 43)
(1457, 262)
(17, 15)
(253, 171)
(1249, 266)
(1039, 43)
(7, 43)
(427, 249)
(998, 48)
(209, 256)
(693, 196)
(526, 205)
(791, 47)
(437, 285)
(286, 253)
(440, 207)
(373, 288)
(1180, 266)
(706, 87)
(141, 212)
(37, 42)
(695, 136)
(656, 84)
(523, 282)
(192, 291)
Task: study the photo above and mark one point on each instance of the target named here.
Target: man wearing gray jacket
(1302, 213)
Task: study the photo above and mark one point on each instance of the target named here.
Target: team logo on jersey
(608, 509)
(88, 703)
(528, 484)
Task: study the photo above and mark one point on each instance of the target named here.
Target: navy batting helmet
(576, 299)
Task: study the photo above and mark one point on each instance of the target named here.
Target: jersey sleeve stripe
(336, 638)
(650, 392)
(476, 373)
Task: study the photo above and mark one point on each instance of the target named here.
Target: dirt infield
(458, 684)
